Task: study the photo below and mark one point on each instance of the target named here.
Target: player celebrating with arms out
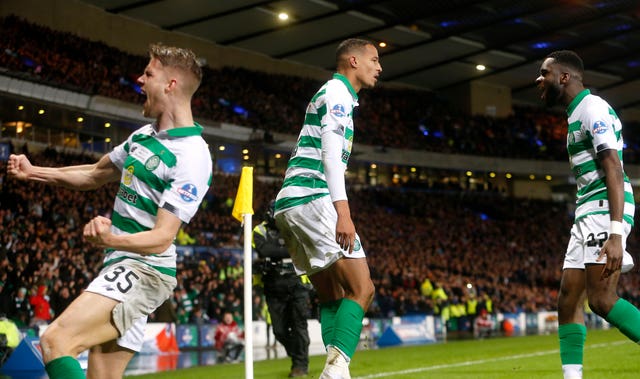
(164, 169)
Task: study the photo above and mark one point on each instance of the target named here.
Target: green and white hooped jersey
(329, 118)
(593, 127)
(170, 169)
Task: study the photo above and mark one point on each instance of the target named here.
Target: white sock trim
(345, 356)
(572, 371)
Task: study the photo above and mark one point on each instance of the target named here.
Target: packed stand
(424, 247)
(391, 118)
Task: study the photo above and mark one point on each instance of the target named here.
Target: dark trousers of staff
(288, 302)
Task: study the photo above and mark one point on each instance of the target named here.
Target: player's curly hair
(568, 58)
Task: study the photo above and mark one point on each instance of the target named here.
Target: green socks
(626, 318)
(64, 368)
(328, 312)
(347, 327)
(572, 338)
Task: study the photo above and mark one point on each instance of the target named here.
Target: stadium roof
(434, 44)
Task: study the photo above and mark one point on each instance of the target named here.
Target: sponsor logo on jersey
(130, 197)
(128, 176)
(188, 192)
(152, 163)
(356, 245)
(338, 110)
(599, 127)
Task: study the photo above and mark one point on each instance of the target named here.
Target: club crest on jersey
(188, 192)
(599, 127)
(128, 176)
(152, 163)
(338, 110)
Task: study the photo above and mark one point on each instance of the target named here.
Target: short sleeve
(600, 126)
(190, 182)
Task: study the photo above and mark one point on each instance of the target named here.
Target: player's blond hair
(176, 57)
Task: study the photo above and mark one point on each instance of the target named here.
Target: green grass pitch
(608, 354)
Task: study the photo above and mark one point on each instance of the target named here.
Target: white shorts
(309, 231)
(587, 237)
(140, 289)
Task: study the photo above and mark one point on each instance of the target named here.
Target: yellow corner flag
(244, 198)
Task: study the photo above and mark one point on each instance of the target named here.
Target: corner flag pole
(243, 211)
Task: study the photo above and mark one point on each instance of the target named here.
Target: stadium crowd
(424, 246)
(399, 118)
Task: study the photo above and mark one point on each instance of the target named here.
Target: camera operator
(286, 294)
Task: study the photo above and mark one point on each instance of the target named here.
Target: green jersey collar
(576, 100)
(186, 131)
(344, 80)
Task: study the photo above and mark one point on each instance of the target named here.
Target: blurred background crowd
(397, 118)
(431, 250)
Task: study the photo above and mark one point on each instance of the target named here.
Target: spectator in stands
(229, 339)
(60, 300)
(183, 237)
(5, 295)
(21, 311)
(41, 307)
(483, 325)
(165, 169)
(596, 253)
(312, 211)
(400, 118)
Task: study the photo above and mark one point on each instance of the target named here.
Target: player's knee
(51, 343)
(366, 292)
(371, 290)
(55, 344)
(601, 305)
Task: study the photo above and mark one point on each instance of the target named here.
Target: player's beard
(552, 95)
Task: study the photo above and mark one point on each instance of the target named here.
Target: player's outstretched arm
(80, 177)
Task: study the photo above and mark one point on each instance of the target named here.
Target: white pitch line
(478, 362)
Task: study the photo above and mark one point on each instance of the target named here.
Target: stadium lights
(469, 173)
(41, 111)
(278, 156)
(245, 151)
(382, 44)
(532, 177)
(374, 166)
(107, 140)
(20, 107)
(481, 67)
(221, 148)
(246, 157)
(283, 16)
(107, 124)
(492, 174)
(508, 175)
(548, 177)
(79, 119)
